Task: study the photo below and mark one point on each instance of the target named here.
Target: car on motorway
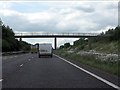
(45, 49)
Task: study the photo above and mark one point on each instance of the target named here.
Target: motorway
(29, 71)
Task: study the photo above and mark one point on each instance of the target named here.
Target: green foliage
(7, 32)
(116, 34)
(61, 47)
(81, 47)
(9, 43)
(108, 36)
(79, 42)
(90, 60)
(108, 42)
(5, 45)
(8, 40)
(113, 33)
(24, 46)
(66, 45)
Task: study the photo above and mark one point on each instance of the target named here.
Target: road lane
(46, 72)
(11, 64)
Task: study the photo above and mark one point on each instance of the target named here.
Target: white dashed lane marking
(21, 65)
(1, 80)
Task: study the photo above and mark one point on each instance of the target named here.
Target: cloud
(62, 20)
(5, 5)
(105, 29)
(85, 8)
(112, 6)
(59, 17)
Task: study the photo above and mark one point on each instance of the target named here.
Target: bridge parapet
(56, 34)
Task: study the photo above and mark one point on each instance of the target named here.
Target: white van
(45, 50)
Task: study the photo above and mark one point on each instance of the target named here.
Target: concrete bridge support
(55, 43)
(20, 39)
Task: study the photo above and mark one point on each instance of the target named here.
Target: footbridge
(55, 35)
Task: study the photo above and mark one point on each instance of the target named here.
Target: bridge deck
(37, 35)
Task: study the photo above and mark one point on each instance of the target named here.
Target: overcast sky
(59, 17)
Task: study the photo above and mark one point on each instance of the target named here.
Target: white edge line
(99, 78)
(1, 80)
(21, 65)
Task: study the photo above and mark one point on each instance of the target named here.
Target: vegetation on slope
(109, 45)
(108, 42)
(9, 43)
(91, 60)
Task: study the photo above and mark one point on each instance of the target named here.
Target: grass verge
(110, 67)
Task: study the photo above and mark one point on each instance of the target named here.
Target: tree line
(108, 36)
(9, 43)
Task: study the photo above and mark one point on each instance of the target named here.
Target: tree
(62, 46)
(24, 46)
(9, 43)
(80, 42)
(66, 45)
(5, 46)
(116, 33)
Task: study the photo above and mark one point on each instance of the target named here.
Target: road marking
(1, 80)
(21, 65)
(99, 78)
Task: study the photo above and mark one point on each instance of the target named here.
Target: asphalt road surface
(29, 71)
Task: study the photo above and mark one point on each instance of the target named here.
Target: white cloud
(56, 17)
(6, 5)
(7, 12)
(105, 29)
(38, 17)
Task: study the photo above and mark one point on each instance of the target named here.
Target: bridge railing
(53, 34)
